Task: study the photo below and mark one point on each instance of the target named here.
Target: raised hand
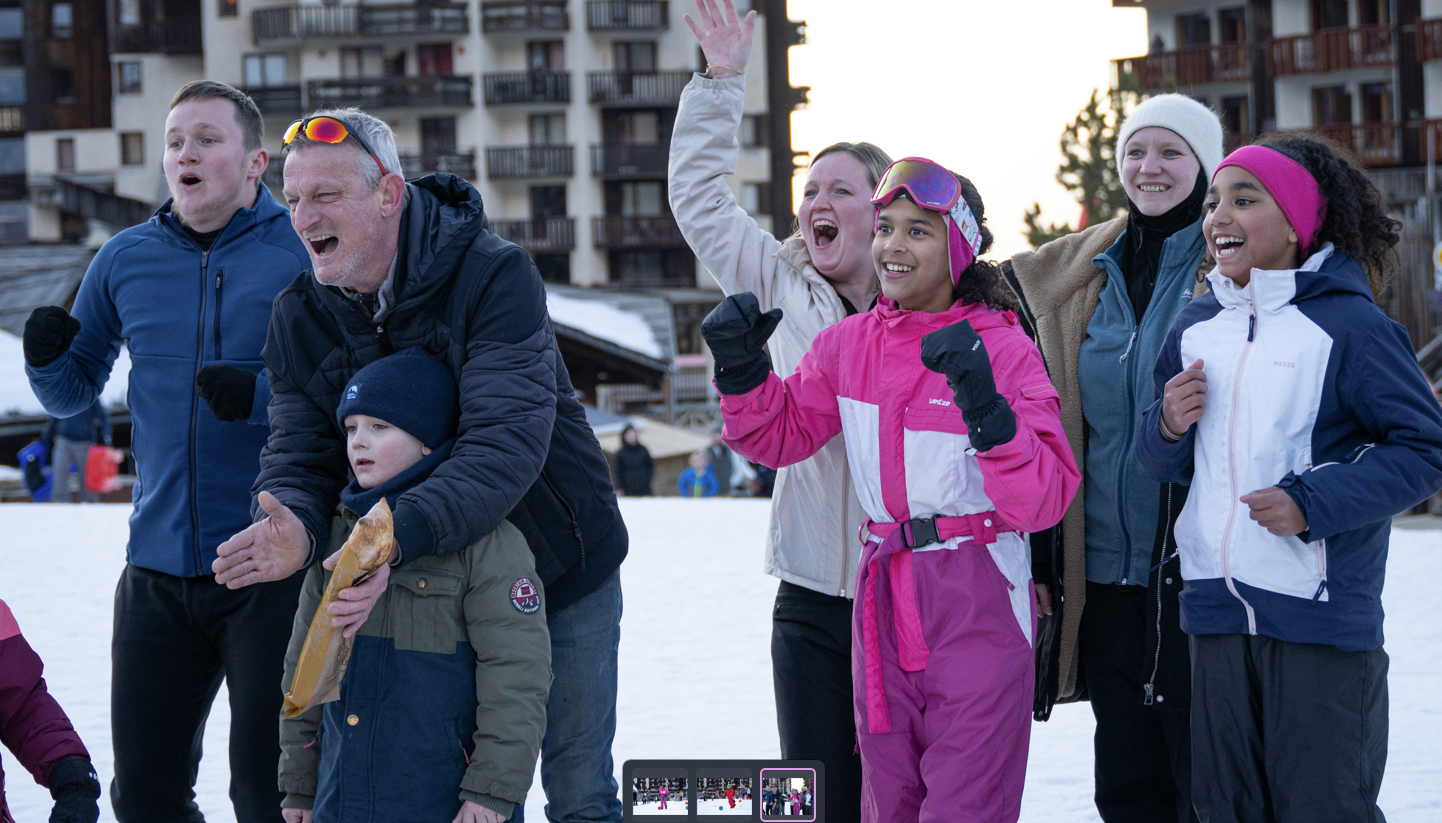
(958, 352)
(48, 333)
(1184, 398)
(725, 40)
(736, 332)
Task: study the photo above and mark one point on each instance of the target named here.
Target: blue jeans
(577, 772)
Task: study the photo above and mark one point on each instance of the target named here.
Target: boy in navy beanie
(420, 645)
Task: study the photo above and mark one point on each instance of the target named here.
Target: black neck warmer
(361, 500)
(1142, 257)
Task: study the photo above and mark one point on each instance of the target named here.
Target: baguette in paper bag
(326, 651)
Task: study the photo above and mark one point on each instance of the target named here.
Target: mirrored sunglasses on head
(324, 129)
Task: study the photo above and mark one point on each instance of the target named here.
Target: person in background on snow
(663, 792)
(37, 732)
(697, 479)
(1100, 303)
(817, 276)
(474, 656)
(70, 439)
(939, 383)
(718, 457)
(1290, 365)
(189, 293)
(634, 467)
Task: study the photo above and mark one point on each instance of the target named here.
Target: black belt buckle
(919, 531)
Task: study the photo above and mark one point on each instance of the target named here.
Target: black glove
(736, 332)
(48, 333)
(229, 391)
(75, 788)
(957, 352)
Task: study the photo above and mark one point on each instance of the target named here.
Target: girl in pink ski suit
(952, 468)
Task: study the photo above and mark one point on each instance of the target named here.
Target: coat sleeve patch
(525, 596)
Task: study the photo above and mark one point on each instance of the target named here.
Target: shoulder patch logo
(350, 393)
(525, 596)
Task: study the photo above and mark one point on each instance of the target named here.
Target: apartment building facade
(1366, 73)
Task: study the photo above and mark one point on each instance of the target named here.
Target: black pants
(175, 639)
(811, 668)
(1286, 732)
(1143, 754)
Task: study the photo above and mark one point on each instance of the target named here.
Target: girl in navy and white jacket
(1296, 410)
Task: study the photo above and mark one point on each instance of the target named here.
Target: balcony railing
(1375, 144)
(614, 88)
(612, 160)
(524, 15)
(617, 232)
(12, 119)
(528, 87)
(461, 164)
(97, 204)
(173, 35)
(627, 15)
(1222, 63)
(276, 99)
(1333, 50)
(390, 92)
(557, 234)
(1429, 40)
(519, 162)
(313, 21)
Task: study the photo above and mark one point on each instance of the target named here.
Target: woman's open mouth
(1227, 245)
(824, 231)
(323, 244)
(1155, 188)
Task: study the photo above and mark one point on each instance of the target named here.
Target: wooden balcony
(526, 162)
(1375, 144)
(98, 204)
(1429, 40)
(276, 99)
(528, 87)
(618, 161)
(390, 92)
(627, 15)
(461, 164)
(292, 24)
(524, 15)
(555, 235)
(614, 88)
(1333, 50)
(173, 35)
(618, 232)
(1222, 63)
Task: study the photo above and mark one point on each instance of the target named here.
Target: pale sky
(984, 87)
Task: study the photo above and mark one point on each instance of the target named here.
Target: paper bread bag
(325, 654)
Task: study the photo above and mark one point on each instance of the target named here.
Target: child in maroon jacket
(36, 730)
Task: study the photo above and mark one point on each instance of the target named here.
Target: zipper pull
(1147, 700)
(1129, 348)
(1251, 327)
(1321, 587)
(218, 276)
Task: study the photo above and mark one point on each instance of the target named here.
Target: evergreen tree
(1089, 170)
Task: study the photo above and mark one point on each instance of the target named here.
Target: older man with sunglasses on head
(189, 292)
(401, 265)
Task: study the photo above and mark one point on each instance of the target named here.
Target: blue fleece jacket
(1312, 388)
(1115, 375)
(179, 308)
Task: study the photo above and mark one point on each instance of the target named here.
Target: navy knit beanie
(410, 390)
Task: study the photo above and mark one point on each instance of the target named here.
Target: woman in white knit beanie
(1100, 302)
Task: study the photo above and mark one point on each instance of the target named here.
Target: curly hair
(1357, 221)
(982, 282)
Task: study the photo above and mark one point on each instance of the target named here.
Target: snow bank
(603, 320)
(16, 396)
(695, 647)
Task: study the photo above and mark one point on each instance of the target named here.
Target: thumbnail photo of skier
(723, 795)
(658, 796)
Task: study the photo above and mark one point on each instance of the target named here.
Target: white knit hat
(1192, 121)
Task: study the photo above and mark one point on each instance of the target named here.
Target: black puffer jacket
(524, 450)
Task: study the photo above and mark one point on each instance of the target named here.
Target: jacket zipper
(194, 412)
(219, 280)
(570, 515)
(845, 518)
(1125, 459)
(1232, 464)
(1151, 686)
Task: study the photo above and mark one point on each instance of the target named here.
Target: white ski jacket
(815, 515)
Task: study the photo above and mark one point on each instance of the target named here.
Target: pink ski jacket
(905, 440)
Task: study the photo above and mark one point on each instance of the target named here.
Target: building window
(753, 131)
(364, 61)
(755, 197)
(435, 59)
(65, 154)
(132, 148)
(547, 129)
(638, 128)
(1376, 102)
(264, 70)
(1194, 30)
(546, 55)
(62, 20)
(229, 8)
(1329, 14)
(128, 12)
(1373, 13)
(1235, 119)
(1232, 25)
(1331, 106)
(127, 73)
(12, 24)
(62, 86)
(642, 199)
(12, 87)
(635, 57)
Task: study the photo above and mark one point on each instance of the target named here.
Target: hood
(264, 210)
(1340, 273)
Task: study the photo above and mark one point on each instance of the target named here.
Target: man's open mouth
(824, 231)
(189, 180)
(323, 244)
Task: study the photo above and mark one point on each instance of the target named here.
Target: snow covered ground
(695, 647)
(718, 808)
(649, 809)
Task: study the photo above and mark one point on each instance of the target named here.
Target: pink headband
(1290, 184)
